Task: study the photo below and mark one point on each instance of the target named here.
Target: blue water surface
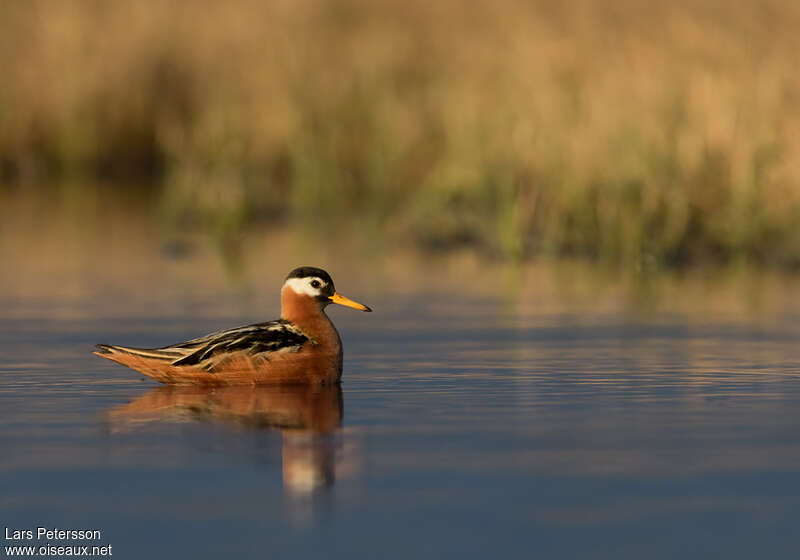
(468, 428)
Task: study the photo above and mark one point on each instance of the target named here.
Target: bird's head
(317, 284)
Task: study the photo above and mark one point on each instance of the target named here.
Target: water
(470, 422)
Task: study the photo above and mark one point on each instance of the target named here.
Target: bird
(301, 348)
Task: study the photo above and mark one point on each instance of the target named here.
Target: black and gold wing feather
(252, 340)
(258, 340)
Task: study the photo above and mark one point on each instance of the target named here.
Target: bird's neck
(307, 314)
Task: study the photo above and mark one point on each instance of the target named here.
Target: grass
(639, 133)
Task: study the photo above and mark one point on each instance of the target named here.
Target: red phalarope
(302, 347)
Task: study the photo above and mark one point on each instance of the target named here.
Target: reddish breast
(309, 316)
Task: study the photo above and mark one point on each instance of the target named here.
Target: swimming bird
(302, 347)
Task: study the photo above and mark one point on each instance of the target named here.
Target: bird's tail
(152, 362)
(117, 353)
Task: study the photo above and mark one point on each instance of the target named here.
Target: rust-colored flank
(302, 347)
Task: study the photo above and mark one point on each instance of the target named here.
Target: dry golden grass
(638, 132)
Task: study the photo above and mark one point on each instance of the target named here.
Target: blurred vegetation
(639, 133)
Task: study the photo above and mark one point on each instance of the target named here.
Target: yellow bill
(341, 300)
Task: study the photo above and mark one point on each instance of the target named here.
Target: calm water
(466, 425)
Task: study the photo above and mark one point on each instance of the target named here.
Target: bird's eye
(315, 284)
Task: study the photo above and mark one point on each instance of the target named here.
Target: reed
(642, 133)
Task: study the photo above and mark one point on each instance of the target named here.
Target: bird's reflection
(308, 417)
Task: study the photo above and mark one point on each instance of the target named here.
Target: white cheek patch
(303, 286)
